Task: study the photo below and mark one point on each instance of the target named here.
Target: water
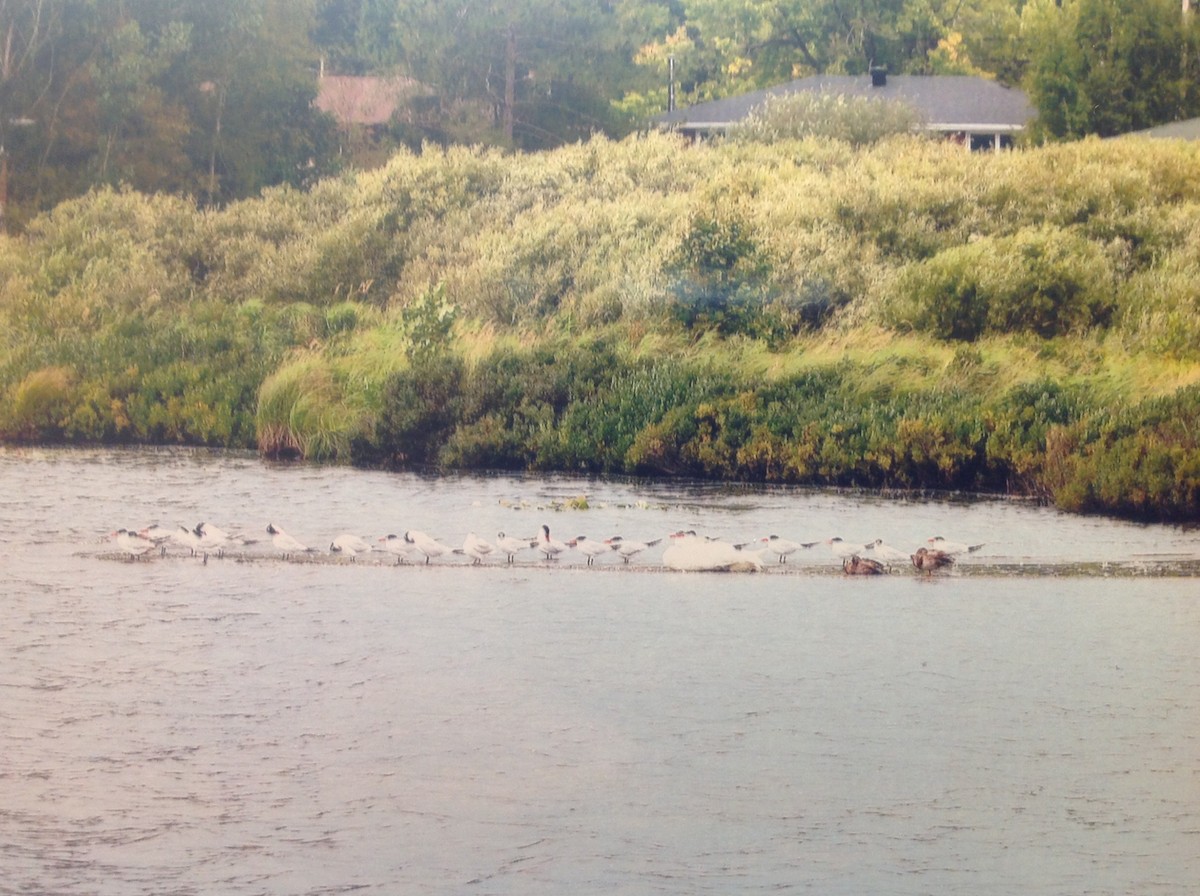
(1025, 724)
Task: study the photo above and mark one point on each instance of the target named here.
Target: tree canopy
(213, 99)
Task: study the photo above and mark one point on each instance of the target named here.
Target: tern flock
(683, 550)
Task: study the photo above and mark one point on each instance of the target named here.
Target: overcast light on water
(1026, 722)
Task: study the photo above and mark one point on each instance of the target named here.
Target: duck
(689, 552)
(927, 560)
(426, 544)
(511, 545)
(855, 565)
(630, 549)
(478, 549)
(551, 547)
(953, 548)
(350, 545)
(591, 548)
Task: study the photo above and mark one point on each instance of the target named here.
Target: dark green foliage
(600, 434)
(1111, 66)
(514, 403)
(1141, 462)
(1020, 423)
(420, 409)
(281, 323)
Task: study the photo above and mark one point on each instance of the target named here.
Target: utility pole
(510, 81)
(3, 191)
(671, 83)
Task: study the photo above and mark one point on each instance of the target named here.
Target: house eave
(976, 128)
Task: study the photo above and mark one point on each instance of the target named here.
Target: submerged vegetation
(902, 315)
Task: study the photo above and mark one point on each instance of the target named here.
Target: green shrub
(1140, 461)
(1160, 308)
(721, 279)
(1048, 282)
(1020, 423)
(40, 406)
(420, 409)
(598, 432)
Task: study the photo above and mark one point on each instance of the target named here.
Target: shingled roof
(947, 103)
(1178, 130)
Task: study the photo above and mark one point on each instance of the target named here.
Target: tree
(726, 46)
(1110, 66)
(249, 84)
(27, 81)
(211, 98)
(142, 130)
(522, 73)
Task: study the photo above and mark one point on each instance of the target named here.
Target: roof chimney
(879, 76)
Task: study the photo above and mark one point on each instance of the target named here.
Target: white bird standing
(188, 539)
(550, 547)
(782, 547)
(477, 549)
(512, 545)
(591, 548)
(350, 545)
(396, 545)
(887, 553)
(132, 543)
(952, 547)
(215, 539)
(630, 549)
(426, 544)
(159, 535)
(840, 548)
(288, 545)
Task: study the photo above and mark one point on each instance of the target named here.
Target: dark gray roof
(945, 102)
(1182, 130)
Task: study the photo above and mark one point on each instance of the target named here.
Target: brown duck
(862, 566)
(927, 560)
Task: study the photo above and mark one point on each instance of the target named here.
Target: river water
(1028, 722)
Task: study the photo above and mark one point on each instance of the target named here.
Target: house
(982, 114)
(363, 100)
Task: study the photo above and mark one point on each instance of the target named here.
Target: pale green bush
(857, 121)
(1048, 282)
(303, 411)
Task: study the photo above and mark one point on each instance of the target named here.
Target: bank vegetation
(901, 315)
